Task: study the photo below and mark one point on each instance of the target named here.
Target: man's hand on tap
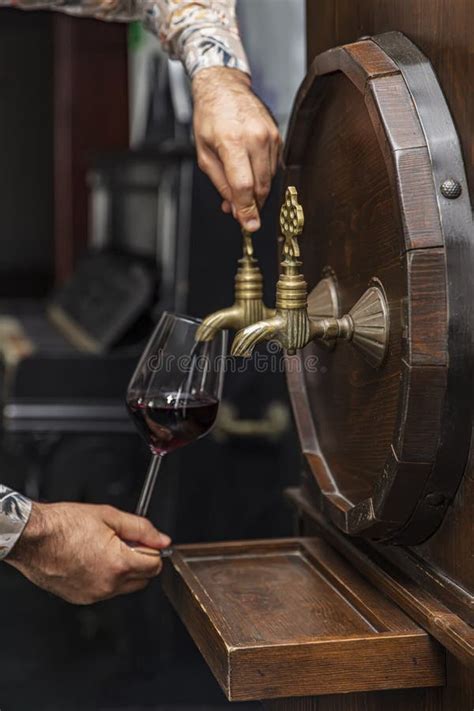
(238, 142)
(77, 551)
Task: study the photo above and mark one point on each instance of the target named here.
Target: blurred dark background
(106, 218)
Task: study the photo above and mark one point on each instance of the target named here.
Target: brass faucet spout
(248, 306)
(212, 324)
(247, 338)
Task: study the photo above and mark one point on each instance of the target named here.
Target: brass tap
(248, 306)
(366, 325)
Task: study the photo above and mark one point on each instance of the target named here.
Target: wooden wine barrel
(373, 152)
(314, 622)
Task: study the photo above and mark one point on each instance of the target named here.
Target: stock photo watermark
(271, 359)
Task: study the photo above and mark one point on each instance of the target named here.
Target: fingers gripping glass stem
(144, 504)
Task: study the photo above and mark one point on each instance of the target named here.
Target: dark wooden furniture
(388, 479)
(327, 632)
(63, 101)
(90, 117)
(26, 137)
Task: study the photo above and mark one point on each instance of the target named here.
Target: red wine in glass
(171, 420)
(174, 394)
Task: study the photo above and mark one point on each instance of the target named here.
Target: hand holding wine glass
(174, 394)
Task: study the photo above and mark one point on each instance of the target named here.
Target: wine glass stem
(149, 485)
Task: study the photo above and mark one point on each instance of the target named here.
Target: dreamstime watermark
(270, 360)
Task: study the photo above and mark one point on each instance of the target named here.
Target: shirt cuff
(201, 34)
(210, 47)
(15, 511)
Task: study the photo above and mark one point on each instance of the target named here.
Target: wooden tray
(291, 617)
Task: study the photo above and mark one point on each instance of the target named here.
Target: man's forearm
(15, 511)
(79, 551)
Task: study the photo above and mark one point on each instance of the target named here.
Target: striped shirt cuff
(15, 511)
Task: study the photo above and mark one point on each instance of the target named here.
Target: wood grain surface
(391, 572)
(292, 618)
(412, 700)
(364, 153)
(442, 29)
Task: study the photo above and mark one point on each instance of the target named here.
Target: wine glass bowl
(174, 393)
(168, 421)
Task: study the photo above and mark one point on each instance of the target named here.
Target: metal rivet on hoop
(451, 189)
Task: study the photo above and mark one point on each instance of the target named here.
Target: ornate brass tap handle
(366, 325)
(247, 246)
(291, 222)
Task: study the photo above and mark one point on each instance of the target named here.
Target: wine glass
(174, 393)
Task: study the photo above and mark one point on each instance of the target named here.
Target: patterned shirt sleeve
(202, 34)
(15, 511)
